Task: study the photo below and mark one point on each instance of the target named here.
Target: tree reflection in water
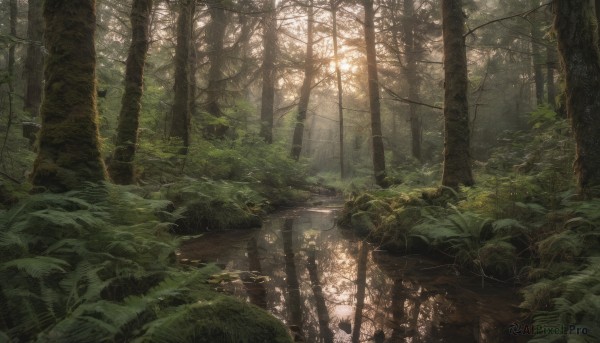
(329, 287)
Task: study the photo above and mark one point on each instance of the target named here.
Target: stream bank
(328, 285)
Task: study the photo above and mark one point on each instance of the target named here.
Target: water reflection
(328, 287)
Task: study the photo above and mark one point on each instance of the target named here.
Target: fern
(95, 265)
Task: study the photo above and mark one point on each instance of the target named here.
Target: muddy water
(328, 286)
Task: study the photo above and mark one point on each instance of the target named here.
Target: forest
(322, 171)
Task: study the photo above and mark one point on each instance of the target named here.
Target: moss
(121, 167)
(69, 146)
(214, 214)
(222, 319)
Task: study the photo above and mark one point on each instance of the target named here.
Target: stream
(328, 286)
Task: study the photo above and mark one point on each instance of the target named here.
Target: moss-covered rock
(205, 214)
(223, 319)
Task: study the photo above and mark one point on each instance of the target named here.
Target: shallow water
(329, 286)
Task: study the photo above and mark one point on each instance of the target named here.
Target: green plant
(99, 265)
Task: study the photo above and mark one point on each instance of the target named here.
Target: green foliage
(215, 205)
(98, 265)
(573, 299)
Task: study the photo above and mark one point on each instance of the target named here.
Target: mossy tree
(457, 159)
(575, 24)
(121, 166)
(69, 147)
(374, 101)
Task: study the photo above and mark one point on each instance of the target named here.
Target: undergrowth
(521, 224)
(98, 265)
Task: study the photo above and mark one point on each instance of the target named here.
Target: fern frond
(38, 266)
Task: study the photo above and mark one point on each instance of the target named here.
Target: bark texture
(69, 148)
(374, 101)
(309, 71)
(457, 159)
(121, 168)
(268, 72)
(576, 31)
(34, 62)
(180, 122)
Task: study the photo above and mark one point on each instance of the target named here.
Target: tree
(410, 70)
(580, 59)
(121, 167)
(69, 148)
(374, 102)
(309, 71)
(268, 71)
(34, 62)
(215, 36)
(180, 122)
(333, 4)
(536, 51)
(457, 160)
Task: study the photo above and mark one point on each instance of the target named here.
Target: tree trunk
(580, 58)
(14, 13)
(536, 40)
(550, 66)
(180, 124)
(410, 69)
(376, 134)
(69, 148)
(338, 76)
(309, 70)
(121, 168)
(457, 160)
(268, 71)
(34, 62)
(597, 11)
(216, 84)
(193, 65)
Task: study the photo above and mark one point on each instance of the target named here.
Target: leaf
(38, 266)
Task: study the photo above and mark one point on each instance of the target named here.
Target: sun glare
(345, 66)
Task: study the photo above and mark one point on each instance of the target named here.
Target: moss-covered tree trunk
(374, 101)
(575, 24)
(121, 168)
(457, 159)
(268, 71)
(69, 148)
(309, 71)
(215, 35)
(34, 62)
(180, 120)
